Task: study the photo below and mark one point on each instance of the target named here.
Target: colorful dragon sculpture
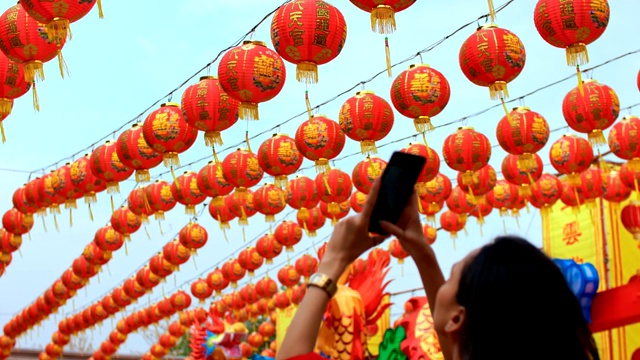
(217, 339)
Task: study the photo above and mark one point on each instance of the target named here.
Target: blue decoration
(583, 280)
(260, 357)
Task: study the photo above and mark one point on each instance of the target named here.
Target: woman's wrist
(422, 253)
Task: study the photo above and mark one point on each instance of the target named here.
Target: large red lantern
(572, 196)
(241, 206)
(193, 236)
(57, 16)
(288, 276)
(23, 39)
(200, 290)
(248, 294)
(19, 201)
(320, 139)
(334, 188)
(572, 25)
(591, 185)
(8, 242)
(630, 218)
(63, 186)
(267, 329)
(269, 248)
(221, 213)
(125, 222)
(624, 141)
(106, 166)
(12, 84)
(308, 33)
(216, 281)
(147, 279)
(212, 183)
(17, 223)
(431, 167)
(233, 272)
(466, 151)
(167, 132)
(306, 266)
(366, 172)
(591, 108)
(96, 256)
(84, 180)
(208, 108)
(570, 155)
(545, 192)
(135, 153)
(250, 260)
(492, 57)
(523, 133)
(51, 198)
(420, 93)
(242, 170)
(366, 118)
(279, 157)
(452, 223)
(269, 200)
(160, 198)
(383, 12)
(515, 174)
(313, 222)
(160, 266)
(302, 195)
(185, 190)
(289, 233)
(251, 73)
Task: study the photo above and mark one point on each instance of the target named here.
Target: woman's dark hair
(518, 306)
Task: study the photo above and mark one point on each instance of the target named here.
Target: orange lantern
(279, 157)
(221, 213)
(241, 206)
(167, 132)
(571, 25)
(523, 133)
(486, 181)
(134, 152)
(624, 141)
(344, 209)
(489, 49)
(430, 233)
(212, 183)
(452, 222)
(502, 196)
(630, 218)
(175, 253)
(185, 191)
(466, 151)
(357, 201)
(216, 281)
(266, 287)
(16, 223)
(365, 173)
(334, 187)
(570, 155)
(232, 271)
(193, 236)
(306, 266)
(208, 108)
(366, 118)
(168, 341)
(591, 108)
(200, 290)
(255, 340)
(180, 300)
(308, 33)
(106, 166)
(117, 338)
(288, 233)
(95, 256)
(269, 200)
(249, 295)
(320, 139)
(514, 173)
(160, 198)
(250, 260)
(302, 195)
(160, 266)
(251, 73)
(420, 93)
(267, 329)
(125, 222)
(288, 276)
(396, 250)
(269, 248)
(314, 222)
(242, 170)
(545, 193)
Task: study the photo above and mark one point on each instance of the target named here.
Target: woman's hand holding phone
(408, 230)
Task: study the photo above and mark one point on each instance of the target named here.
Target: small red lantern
(255, 340)
(288, 276)
(106, 166)
(344, 209)
(430, 233)
(357, 201)
(216, 281)
(572, 196)
(452, 222)
(160, 266)
(545, 193)
(420, 93)
(19, 201)
(314, 222)
(524, 178)
(492, 57)
(502, 196)
(175, 253)
(615, 190)
(629, 177)
(523, 133)
(83, 269)
(193, 236)
(269, 200)
(436, 191)
(221, 213)
(17, 223)
(306, 266)
(63, 186)
(250, 260)
(308, 33)
(125, 222)
(624, 141)
(135, 153)
(8, 242)
(180, 300)
(320, 139)
(366, 172)
(133, 289)
(95, 256)
(241, 206)
(242, 170)
(267, 329)
(84, 180)
(591, 108)
(630, 218)
(232, 271)
(160, 198)
(334, 187)
(185, 191)
(147, 279)
(366, 118)
(251, 73)
(269, 248)
(396, 250)
(200, 290)
(168, 341)
(570, 155)
(288, 234)
(571, 25)
(466, 151)
(487, 179)
(431, 167)
(591, 185)
(266, 287)
(212, 183)
(167, 132)
(208, 108)
(249, 295)
(282, 300)
(279, 157)
(302, 195)
(481, 211)
(13, 84)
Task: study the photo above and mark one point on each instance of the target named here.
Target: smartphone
(396, 187)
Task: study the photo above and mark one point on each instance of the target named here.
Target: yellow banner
(373, 343)
(283, 320)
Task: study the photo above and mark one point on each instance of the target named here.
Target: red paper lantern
(167, 132)
(8, 242)
(251, 73)
(383, 12)
(396, 250)
(106, 166)
(334, 188)
(84, 180)
(343, 210)
(615, 190)
(570, 155)
(366, 172)
(572, 196)
(487, 179)
(83, 269)
(241, 206)
(288, 276)
(267, 329)
(216, 281)
(516, 175)
(571, 25)
(523, 133)
(233, 272)
(185, 191)
(452, 222)
(200, 290)
(193, 236)
(430, 233)
(279, 157)
(460, 202)
(420, 93)
(591, 108)
(63, 186)
(366, 118)
(58, 16)
(436, 191)
(208, 108)
(125, 222)
(591, 185)
(320, 139)
(212, 183)
(289, 233)
(23, 39)
(175, 253)
(160, 266)
(269, 200)
(135, 153)
(268, 248)
(431, 167)
(221, 213)
(466, 151)
(357, 201)
(302, 195)
(266, 287)
(248, 294)
(12, 84)
(624, 141)
(308, 33)
(139, 204)
(160, 198)
(242, 170)
(313, 222)
(51, 198)
(134, 291)
(168, 341)
(629, 177)
(502, 196)
(147, 279)
(630, 218)
(72, 281)
(250, 260)
(180, 300)
(16, 223)
(19, 201)
(306, 266)
(96, 256)
(282, 300)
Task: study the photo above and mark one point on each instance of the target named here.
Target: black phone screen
(396, 188)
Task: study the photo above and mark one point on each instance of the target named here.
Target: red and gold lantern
(420, 93)
(630, 218)
(269, 248)
(160, 198)
(366, 118)
(302, 195)
(200, 290)
(180, 300)
(16, 223)
(572, 196)
(523, 133)
(591, 185)
(58, 16)
(175, 253)
(487, 179)
(306, 266)
(492, 57)
(396, 250)
(436, 192)
(430, 233)
(267, 329)
(135, 153)
(466, 151)
(282, 300)
(216, 281)
(250, 260)
(452, 222)
(279, 157)
(139, 204)
(357, 201)
(288, 276)
(185, 190)
(269, 200)
(383, 12)
(366, 172)
(431, 167)
(147, 279)
(288, 233)
(460, 202)
(208, 108)
(212, 183)
(19, 201)
(591, 108)
(106, 166)
(160, 266)
(503, 196)
(313, 222)
(125, 222)
(13, 84)
(545, 193)
(343, 210)
(514, 173)
(615, 190)
(233, 272)
(241, 206)
(334, 187)
(242, 170)
(251, 73)
(570, 155)
(624, 141)
(249, 295)
(8, 242)
(320, 139)
(221, 213)
(308, 33)
(63, 186)
(84, 180)
(266, 288)
(193, 236)
(167, 132)
(96, 256)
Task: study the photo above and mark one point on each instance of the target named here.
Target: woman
(506, 300)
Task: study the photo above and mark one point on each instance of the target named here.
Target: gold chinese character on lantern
(263, 66)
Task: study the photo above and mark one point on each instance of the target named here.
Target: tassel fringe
(307, 72)
(383, 20)
(577, 54)
(249, 111)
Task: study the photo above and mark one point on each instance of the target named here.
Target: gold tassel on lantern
(62, 64)
(577, 54)
(100, 12)
(248, 111)
(498, 90)
(303, 214)
(383, 19)
(4, 137)
(143, 176)
(218, 201)
(506, 111)
(492, 11)
(307, 72)
(387, 55)
(368, 147)
(190, 210)
(171, 159)
(423, 124)
(212, 138)
(580, 82)
(33, 70)
(308, 103)
(36, 100)
(5, 106)
(58, 30)
(596, 138)
(526, 162)
(322, 166)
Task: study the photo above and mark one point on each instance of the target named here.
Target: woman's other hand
(408, 229)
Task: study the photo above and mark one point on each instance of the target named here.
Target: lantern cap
(522, 108)
(488, 26)
(170, 104)
(634, 202)
(254, 42)
(365, 92)
(319, 115)
(418, 65)
(586, 81)
(465, 128)
(629, 117)
(208, 77)
(280, 134)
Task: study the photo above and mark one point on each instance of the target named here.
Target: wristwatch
(324, 282)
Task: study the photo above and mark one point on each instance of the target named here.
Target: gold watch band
(323, 282)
